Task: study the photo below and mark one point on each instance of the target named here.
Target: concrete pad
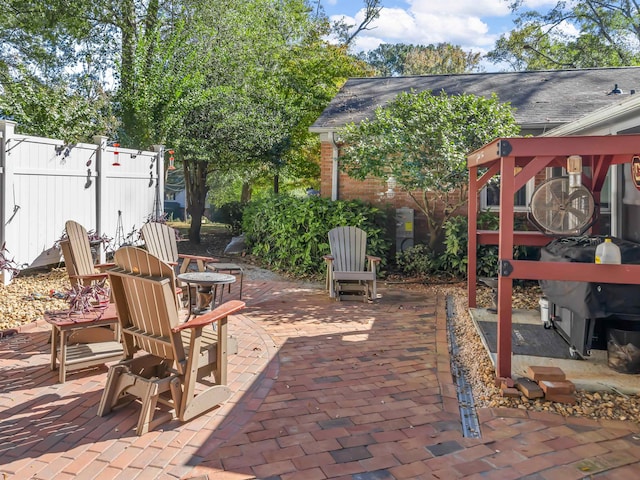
(592, 374)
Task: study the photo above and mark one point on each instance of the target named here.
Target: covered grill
(582, 311)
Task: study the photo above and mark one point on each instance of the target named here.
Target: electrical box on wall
(404, 228)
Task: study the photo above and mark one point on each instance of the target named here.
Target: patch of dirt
(212, 243)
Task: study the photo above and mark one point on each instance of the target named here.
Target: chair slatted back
(160, 240)
(79, 250)
(348, 248)
(143, 291)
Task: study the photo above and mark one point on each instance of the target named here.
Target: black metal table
(206, 284)
(232, 268)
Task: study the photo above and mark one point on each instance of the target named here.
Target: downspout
(334, 166)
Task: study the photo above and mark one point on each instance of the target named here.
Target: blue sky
(472, 24)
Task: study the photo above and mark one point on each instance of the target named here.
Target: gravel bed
(481, 374)
(28, 296)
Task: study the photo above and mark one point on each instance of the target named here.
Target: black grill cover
(589, 299)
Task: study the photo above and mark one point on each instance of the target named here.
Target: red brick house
(542, 100)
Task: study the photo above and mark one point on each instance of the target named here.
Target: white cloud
(424, 25)
(536, 4)
(460, 8)
(473, 25)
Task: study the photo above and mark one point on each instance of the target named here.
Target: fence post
(159, 204)
(101, 145)
(7, 129)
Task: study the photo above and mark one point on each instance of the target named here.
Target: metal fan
(560, 207)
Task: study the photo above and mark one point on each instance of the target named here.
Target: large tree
(90, 48)
(580, 34)
(51, 80)
(422, 140)
(232, 86)
(267, 75)
(407, 59)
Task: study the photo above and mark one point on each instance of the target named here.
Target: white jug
(608, 252)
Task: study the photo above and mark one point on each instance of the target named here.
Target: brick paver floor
(324, 389)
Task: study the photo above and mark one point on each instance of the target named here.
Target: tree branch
(372, 11)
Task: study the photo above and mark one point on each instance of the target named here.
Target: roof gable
(541, 98)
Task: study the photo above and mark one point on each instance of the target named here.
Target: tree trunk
(195, 182)
(245, 196)
(276, 184)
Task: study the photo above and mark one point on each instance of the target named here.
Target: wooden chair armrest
(328, 258)
(224, 310)
(372, 258)
(104, 266)
(198, 257)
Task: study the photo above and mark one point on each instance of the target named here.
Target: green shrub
(418, 261)
(453, 260)
(290, 233)
(230, 214)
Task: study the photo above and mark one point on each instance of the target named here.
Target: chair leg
(143, 378)
(204, 401)
(109, 399)
(149, 402)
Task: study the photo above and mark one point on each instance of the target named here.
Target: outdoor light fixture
(391, 184)
(574, 169)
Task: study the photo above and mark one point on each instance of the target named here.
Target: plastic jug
(608, 252)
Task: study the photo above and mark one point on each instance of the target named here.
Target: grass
(205, 228)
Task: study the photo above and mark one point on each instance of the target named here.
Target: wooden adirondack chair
(78, 258)
(160, 240)
(82, 271)
(349, 268)
(172, 356)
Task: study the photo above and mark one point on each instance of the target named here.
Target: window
(605, 194)
(490, 196)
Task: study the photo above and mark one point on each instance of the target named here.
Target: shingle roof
(540, 98)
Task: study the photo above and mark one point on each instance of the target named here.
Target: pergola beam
(532, 155)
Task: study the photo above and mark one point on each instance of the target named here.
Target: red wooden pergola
(532, 155)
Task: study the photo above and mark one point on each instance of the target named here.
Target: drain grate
(468, 414)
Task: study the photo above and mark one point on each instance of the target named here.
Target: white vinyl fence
(45, 182)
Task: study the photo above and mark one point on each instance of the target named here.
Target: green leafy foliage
(231, 215)
(417, 261)
(406, 59)
(422, 140)
(420, 260)
(267, 74)
(290, 233)
(579, 34)
(54, 110)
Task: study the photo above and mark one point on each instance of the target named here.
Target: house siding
(372, 191)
